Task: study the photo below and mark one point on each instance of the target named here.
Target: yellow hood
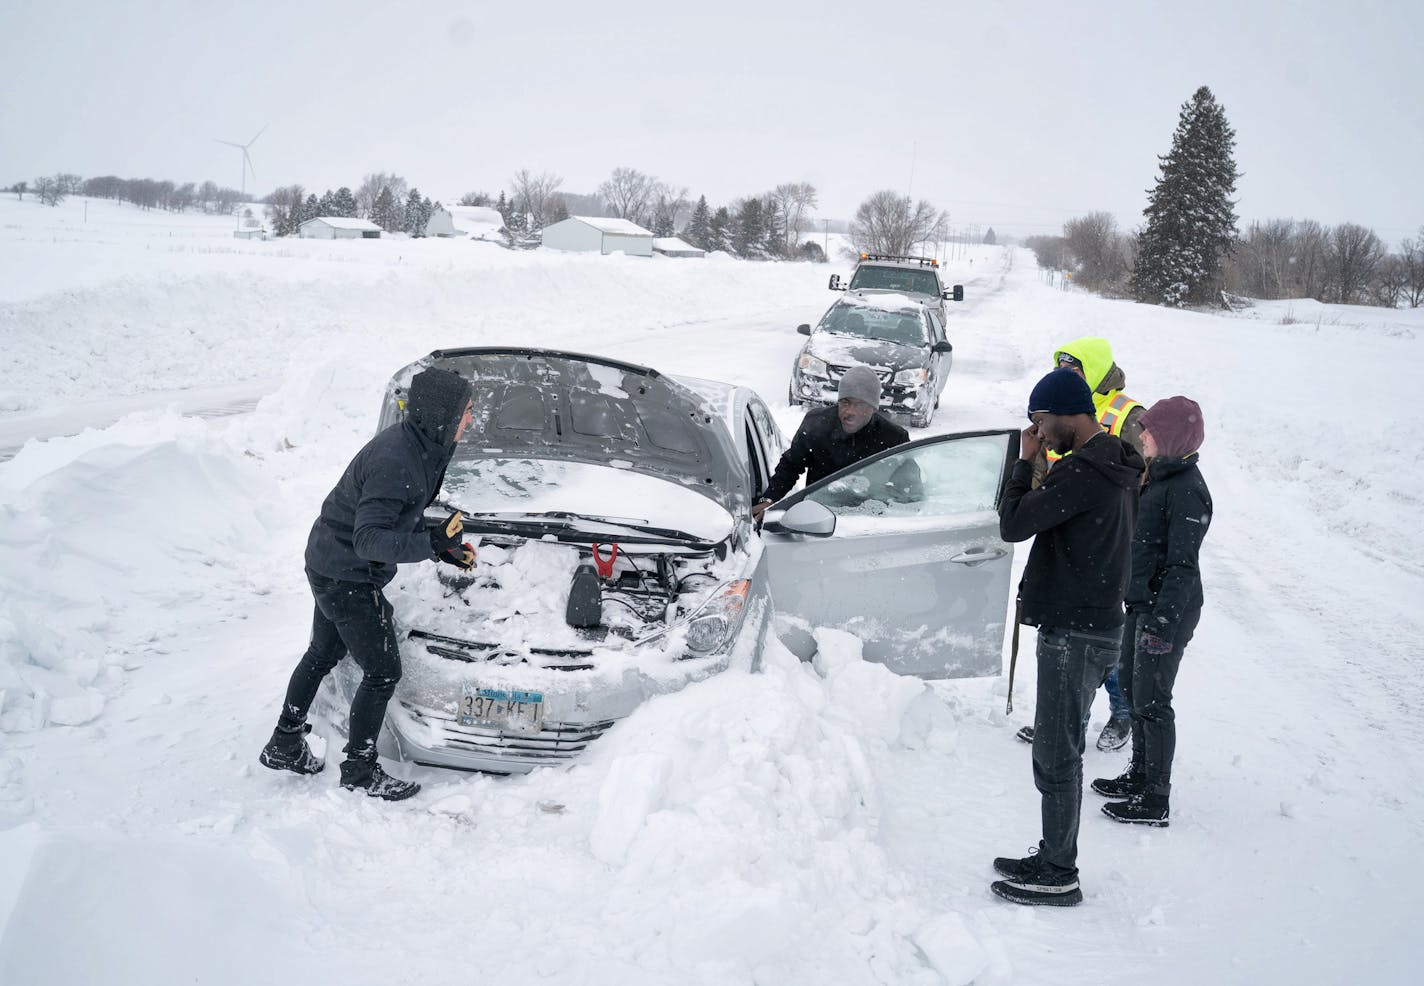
(1094, 353)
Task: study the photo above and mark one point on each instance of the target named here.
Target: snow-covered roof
(671, 244)
(341, 222)
(606, 224)
(484, 215)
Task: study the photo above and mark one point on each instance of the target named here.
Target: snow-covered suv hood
(844, 350)
(544, 404)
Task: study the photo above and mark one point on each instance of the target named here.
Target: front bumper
(895, 400)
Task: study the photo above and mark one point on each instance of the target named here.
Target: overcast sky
(1013, 120)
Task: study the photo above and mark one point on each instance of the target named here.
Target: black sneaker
(1125, 785)
(1116, 733)
(281, 753)
(363, 775)
(1025, 734)
(1140, 809)
(1016, 869)
(1037, 884)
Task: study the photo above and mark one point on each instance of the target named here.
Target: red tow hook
(605, 565)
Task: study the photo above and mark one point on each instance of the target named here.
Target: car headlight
(713, 625)
(911, 378)
(812, 366)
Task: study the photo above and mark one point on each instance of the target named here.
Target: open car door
(902, 550)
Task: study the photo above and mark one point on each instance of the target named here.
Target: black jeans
(350, 617)
(1147, 681)
(1071, 666)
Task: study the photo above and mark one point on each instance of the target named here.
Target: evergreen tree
(699, 227)
(344, 204)
(384, 212)
(749, 233)
(990, 237)
(410, 220)
(775, 226)
(502, 206)
(427, 208)
(327, 205)
(310, 209)
(558, 210)
(662, 223)
(1191, 218)
(719, 230)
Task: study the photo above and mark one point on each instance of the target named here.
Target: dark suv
(915, 277)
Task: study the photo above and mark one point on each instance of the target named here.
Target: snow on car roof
(889, 301)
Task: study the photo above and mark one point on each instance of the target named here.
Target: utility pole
(826, 239)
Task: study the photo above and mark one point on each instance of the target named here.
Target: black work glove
(461, 556)
(445, 536)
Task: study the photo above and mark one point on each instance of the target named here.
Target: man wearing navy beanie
(1081, 520)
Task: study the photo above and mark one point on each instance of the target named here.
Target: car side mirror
(956, 294)
(835, 284)
(943, 347)
(804, 329)
(806, 517)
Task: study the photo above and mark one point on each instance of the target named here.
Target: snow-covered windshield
(534, 486)
(904, 327)
(895, 279)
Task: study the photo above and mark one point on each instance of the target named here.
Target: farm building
(338, 228)
(475, 222)
(601, 234)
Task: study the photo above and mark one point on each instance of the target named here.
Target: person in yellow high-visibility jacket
(1092, 359)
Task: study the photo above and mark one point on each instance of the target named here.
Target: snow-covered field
(827, 824)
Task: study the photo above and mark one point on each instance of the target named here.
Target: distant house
(250, 233)
(598, 233)
(338, 228)
(474, 222)
(671, 246)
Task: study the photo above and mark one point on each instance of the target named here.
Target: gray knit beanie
(861, 383)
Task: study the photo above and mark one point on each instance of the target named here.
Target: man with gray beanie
(1081, 521)
(373, 520)
(831, 438)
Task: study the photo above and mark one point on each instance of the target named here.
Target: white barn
(671, 246)
(338, 228)
(474, 222)
(589, 233)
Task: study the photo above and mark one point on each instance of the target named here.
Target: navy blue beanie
(1061, 392)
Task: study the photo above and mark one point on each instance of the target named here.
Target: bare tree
(1355, 253)
(50, 191)
(21, 187)
(1411, 255)
(475, 198)
(1312, 249)
(888, 222)
(794, 200)
(1387, 285)
(1260, 264)
(533, 195)
(629, 194)
(284, 209)
(1098, 249)
(370, 190)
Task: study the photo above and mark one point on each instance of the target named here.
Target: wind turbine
(246, 158)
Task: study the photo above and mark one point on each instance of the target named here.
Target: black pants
(1071, 666)
(1146, 681)
(350, 617)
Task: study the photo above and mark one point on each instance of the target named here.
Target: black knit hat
(436, 403)
(1061, 392)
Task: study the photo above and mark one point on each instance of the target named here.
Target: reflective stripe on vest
(1112, 417)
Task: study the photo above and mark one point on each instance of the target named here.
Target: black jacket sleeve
(385, 497)
(1188, 516)
(1024, 511)
(794, 461)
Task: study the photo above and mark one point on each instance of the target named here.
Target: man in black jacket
(1164, 603)
(372, 521)
(831, 438)
(1081, 520)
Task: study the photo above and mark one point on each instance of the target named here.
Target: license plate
(503, 708)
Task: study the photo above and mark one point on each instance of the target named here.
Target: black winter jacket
(373, 519)
(822, 447)
(1172, 518)
(1081, 520)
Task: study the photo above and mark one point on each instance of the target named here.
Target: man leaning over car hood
(372, 521)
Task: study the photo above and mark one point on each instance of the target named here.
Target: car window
(905, 328)
(895, 279)
(943, 479)
(936, 327)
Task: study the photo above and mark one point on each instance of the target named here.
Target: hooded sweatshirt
(373, 518)
(1081, 520)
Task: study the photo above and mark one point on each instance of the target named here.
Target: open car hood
(570, 407)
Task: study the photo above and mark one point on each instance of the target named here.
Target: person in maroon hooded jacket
(1164, 603)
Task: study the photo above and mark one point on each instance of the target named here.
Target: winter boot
(1025, 734)
(1140, 809)
(1115, 734)
(288, 750)
(367, 776)
(1016, 869)
(1036, 883)
(1125, 785)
